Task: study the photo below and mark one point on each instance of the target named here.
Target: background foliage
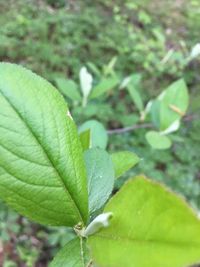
(153, 39)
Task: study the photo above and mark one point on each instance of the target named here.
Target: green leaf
(133, 89)
(109, 68)
(41, 166)
(123, 161)
(173, 104)
(155, 113)
(99, 136)
(73, 254)
(85, 139)
(105, 85)
(100, 173)
(136, 97)
(158, 141)
(151, 227)
(68, 88)
(94, 69)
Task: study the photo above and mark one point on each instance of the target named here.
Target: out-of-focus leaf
(94, 69)
(123, 161)
(68, 88)
(105, 85)
(109, 68)
(158, 141)
(155, 113)
(173, 104)
(135, 97)
(99, 136)
(132, 83)
(85, 139)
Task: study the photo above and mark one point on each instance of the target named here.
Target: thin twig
(130, 128)
(191, 117)
(186, 118)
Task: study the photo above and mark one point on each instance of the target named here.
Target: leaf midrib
(81, 251)
(45, 153)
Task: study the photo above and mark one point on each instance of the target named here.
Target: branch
(130, 128)
(186, 118)
(191, 117)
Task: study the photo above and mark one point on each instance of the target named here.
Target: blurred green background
(151, 38)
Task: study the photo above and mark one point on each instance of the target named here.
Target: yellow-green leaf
(151, 227)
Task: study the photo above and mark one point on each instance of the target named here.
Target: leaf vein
(44, 150)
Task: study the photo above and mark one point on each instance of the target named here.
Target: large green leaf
(151, 227)
(98, 134)
(73, 254)
(41, 165)
(123, 161)
(100, 172)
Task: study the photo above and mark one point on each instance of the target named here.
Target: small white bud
(195, 51)
(172, 128)
(99, 222)
(85, 81)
